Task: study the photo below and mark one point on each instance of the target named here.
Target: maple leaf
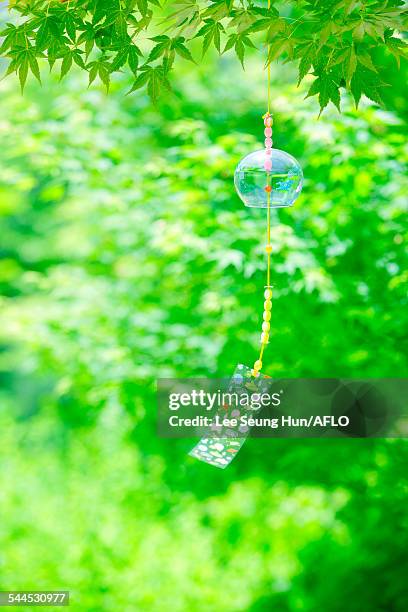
(327, 89)
(368, 83)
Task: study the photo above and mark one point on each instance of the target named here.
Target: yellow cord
(269, 71)
(268, 236)
(268, 195)
(268, 289)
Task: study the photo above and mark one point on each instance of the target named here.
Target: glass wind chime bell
(268, 170)
(267, 178)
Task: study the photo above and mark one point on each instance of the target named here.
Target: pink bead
(268, 143)
(268, 131)
(268, 151)
(268, 121)
(268, 164)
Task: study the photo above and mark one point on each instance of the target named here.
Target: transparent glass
(285, 178)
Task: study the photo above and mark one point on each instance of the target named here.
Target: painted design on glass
(222, 449)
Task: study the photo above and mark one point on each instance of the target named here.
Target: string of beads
(266, 326)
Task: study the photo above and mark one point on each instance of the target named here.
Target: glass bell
(285, 178)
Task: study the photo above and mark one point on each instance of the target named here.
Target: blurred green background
(126, 256)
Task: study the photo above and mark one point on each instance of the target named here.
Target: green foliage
(333, 40)
(126, 255)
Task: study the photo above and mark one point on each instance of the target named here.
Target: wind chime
(267, 178)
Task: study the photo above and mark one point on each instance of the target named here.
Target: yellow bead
(258, 364)
(264, 338)
(268, 248)
(266, 326)
(267, 315)
(268, 294)
(268, 305)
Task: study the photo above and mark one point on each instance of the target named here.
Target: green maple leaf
(398, 48)
(327, 89)
(307, 53)
(284, 43)
(165, 45)
(101, 68)
(211, 32)
(368, 83)
(335, 39)
(155, 79)
(349, 6)
(239, 42)
(347, 59)
(127, 53)
(218, 9)
(13, 37)
(351, 65)
(142, 6)
(271, 22)
(181, 49)
(242, 20)
(365, 59)
(186, 13)
(141, 80)
(24, 59)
